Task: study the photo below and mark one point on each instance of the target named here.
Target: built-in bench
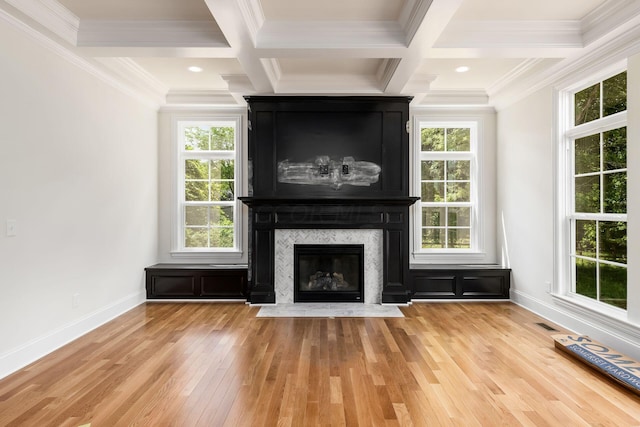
(196, 281)
(460, 282)
(208, 281)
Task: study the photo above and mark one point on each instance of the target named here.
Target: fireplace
(329, 273)
(328, 163)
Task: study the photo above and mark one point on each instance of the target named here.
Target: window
(446, 169)
(208, 173)
(597, 191)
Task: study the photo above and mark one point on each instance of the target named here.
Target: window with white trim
(446, 168)
(208, 163)
(596, 190)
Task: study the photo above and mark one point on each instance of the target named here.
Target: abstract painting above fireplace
(316, 140)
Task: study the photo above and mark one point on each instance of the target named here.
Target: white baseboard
(623, 338)
(37, 348)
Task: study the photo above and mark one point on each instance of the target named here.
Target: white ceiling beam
(609, 15)
(514, 34)
(330, 35)
(150, 33)
(420, 83)
(412, 16)
(499, 52)
(435, 20)
(157, 51)
(335, 52)
(252, 15)
(238, 34)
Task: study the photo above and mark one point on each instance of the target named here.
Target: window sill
(450, 258)
(229, 257)
(598, 314)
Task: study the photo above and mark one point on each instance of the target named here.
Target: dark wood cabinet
(460, 282)
(200, 281)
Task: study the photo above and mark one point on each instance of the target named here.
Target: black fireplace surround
(328, 163)
(328, 273)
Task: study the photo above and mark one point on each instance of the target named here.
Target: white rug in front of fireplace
(285, 239)
(340, 309)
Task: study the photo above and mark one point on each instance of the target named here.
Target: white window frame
(565, 191)
(476, 253)
(178, 249)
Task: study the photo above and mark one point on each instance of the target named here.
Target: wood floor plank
(171, 364)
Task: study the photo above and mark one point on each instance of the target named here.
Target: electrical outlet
(75, 301)
(12, 227)
(548, 286)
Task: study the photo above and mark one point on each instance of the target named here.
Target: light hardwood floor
(195, 364)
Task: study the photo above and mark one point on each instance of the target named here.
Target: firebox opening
(329, 273)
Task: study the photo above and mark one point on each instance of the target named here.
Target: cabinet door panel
(483, 285)
(440, 286)
(173, 286)
(222, 286)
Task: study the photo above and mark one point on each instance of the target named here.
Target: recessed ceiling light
(462, 69)
(195, 69)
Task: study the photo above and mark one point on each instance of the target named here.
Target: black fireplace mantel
(389, 215)
(328, 201)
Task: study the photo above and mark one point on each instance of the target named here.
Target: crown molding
(521, 34)
(419, 84)
(455, 98)
(515, 74)
(610, 14)
(97, 70)
(271, 68)
(130, 70)
(386, 71)
(198, 98)
(251, 11)
(412, 17)
(151, 33)
(238, 83)
(606, 52)
(52, 15)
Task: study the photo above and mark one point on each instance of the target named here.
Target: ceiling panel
(174, 73)
(482, 72)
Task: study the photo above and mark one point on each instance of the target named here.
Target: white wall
(78, 174)
(525, 205)
(525, 193)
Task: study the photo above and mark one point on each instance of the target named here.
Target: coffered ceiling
(328, 47)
